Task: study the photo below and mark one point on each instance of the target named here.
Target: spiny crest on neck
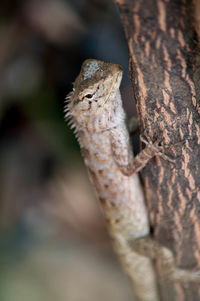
(94, 94)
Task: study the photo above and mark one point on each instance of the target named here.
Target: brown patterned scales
(95, 110)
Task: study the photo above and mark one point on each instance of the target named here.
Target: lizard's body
(98, 117)
(120, 196)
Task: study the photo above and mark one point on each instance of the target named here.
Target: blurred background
(53, 242)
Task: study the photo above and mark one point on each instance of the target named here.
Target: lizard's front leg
(134, 164)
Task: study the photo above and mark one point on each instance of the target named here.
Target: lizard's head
(94, 89)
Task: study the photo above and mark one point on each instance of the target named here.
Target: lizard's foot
(148, 247)
(158, 149)
(186, 275)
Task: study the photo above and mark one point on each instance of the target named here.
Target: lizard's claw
(159, 149)
(166, 157)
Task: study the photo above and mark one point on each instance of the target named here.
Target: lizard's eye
(89, 95)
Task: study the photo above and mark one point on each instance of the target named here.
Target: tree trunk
(165, 71)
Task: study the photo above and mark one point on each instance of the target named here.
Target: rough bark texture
(165, 71)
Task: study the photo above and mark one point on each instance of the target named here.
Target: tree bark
(165, 70)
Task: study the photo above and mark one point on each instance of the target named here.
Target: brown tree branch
(165, 69)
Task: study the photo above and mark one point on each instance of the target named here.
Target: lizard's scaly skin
(96, 112)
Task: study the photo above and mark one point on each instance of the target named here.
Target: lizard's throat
(107, 119)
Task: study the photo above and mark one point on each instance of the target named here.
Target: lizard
(94, 110)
